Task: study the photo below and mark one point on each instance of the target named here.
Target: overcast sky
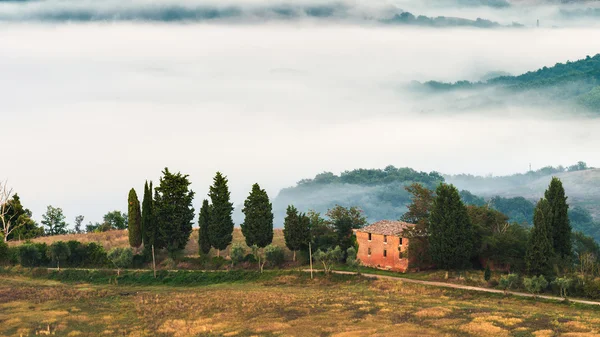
(91, 110)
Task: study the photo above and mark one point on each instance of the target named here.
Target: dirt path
(460, 286)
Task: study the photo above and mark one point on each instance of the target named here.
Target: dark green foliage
(203, 222)
(250, 258)
(518, 209)
(95, 255)
(470, 199)
(274, 255)
(407, 18)
(23, 226)
(135, 220)
(77, 257)
(59, 251)
(344, 220)
(173, 211)
(584, 244)
(577, 82)
(371, 177)
(450, 230)
(54, 220)
(220, 228)
(296, 230)
(110, 221)
(322, 233)
(487, 273)
(3, 250)
(149, 230)
(30, 255)
(258, 222)
(581, 220)
(121, 257)
(559, 219)
(78, 222)
(539, 250)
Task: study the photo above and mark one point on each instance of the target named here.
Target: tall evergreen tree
(203, 234)
(173, 211)
(296, 230)
(148, 223)
(220, 229)
(539, 249)
(560, 226)
(450, 230)
(134, 220)
(258, 222)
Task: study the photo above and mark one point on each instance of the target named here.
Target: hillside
(381, 193)
(576, 83)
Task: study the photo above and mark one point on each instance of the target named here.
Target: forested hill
(381, 193)
(576, 82)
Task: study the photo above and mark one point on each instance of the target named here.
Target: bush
(59, 251)
(138, 261)
(44, 253)
(95, 255)
(29, 256)
(236, 253)
(535, 284)
(274, 255)
(121, 257)
(78, 256)
(250, 258)
(3, 250)
(508, 281)
(487, 274)
(13, 255)
(218, 262)
(591, 289)
(351, 259)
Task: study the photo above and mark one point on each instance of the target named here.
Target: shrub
(487, 274)
(29, 255)
(77, 257)
(44, 253)
(351, 259)
(250, 258)
(121, 257)
(59, 251)
(138, 261)
(535, 284)
(3, 250)
(591, 289)
(218, 262)
(508, 281)
(236, 253)
(13, 255)
(274, 255)
(95, 255)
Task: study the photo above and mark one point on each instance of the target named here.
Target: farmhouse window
(369, 236)
(384, 253)
(400, 241)
(369, 251)
(385, 239)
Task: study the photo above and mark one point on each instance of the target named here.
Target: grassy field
(120, 238)
(285, 304)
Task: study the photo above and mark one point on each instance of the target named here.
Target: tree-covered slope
(575, 82)
(381, 193)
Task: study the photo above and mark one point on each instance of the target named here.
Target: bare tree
(6, 215)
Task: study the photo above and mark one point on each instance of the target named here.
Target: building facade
(381, 245)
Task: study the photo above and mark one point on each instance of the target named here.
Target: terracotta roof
(386, 227)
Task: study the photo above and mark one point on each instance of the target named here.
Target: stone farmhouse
(381, 245)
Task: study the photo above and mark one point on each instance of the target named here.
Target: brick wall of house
(376, 258)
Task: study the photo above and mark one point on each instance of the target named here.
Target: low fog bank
(92, 110)
(436, 13)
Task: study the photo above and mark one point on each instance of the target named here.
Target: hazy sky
(90, 110)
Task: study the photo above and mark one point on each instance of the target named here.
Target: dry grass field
(286, 305)
(119, 238)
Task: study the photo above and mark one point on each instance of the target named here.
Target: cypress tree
(560, 227)
(173, 211)
(296, 230)
(450, 229)
(539, 249)
(203, 234)
(134, 220)
(220, 228)
(258, 222)
(147, 222)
